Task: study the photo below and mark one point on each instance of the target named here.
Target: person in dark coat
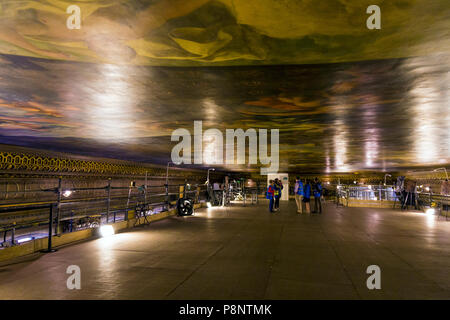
(307, 195)
(317, 190)
(278, 187)
(271, 194)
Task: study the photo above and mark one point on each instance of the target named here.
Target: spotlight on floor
(208, 204)
(106, 230)
(430, 211)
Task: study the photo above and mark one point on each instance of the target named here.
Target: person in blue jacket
(307, 196)
(278, 187)
(271, 194)
(298, 191)
(317, 190)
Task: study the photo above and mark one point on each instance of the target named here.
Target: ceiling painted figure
(226, 32)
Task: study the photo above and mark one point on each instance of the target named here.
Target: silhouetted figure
(317, 190)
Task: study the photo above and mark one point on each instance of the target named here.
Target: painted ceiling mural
(345, 98)
(225, 32)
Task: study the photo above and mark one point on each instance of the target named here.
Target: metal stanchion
(145, 189)
(257, 191)
(128, 203)
(13, 232)
(58, 206)
(108, 204)
(71, 221)
(50, 231)
(167, 195)
(197, 195)
(223, 197)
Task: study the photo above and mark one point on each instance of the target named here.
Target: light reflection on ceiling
(377, 115)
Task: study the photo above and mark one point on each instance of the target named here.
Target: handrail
(116, 202)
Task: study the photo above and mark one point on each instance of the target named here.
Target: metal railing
(367, 192)
(244, 195)
(80, 208)
(248, 195)
(418, 200)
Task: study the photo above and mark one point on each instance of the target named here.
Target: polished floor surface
(248, 253)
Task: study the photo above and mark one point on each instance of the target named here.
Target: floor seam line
(207, 259)
(412, 267)
(193, 271)
(273, 263)
(342, 264)
(401, 259)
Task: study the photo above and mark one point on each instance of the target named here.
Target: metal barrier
(435, 201)
(226, 197)
(419, 200)
(365, 192)
(251, 193)
(341, 196)
(371, 192)
(80, 208)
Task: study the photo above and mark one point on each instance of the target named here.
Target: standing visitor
(410, 194)
(298, 191)
(217, 193)
(317, 189)
(270, 195)
(278, 187)
(307, 196)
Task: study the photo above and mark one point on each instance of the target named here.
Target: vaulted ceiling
(344, 97)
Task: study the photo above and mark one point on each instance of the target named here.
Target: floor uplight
(106, 230)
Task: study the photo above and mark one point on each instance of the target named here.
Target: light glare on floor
(106, 230)
(208, 204)
(430, 211)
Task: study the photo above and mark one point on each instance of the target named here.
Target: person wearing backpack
(307, 196)
(278, 187)
(270, 194)
(298, 191)
(317, 190)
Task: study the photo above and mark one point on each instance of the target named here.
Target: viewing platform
(241, 252)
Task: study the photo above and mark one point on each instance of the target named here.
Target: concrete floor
(248, 253)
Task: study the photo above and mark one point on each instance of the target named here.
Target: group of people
(303, 194)
(302, 191)
(274, 194)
